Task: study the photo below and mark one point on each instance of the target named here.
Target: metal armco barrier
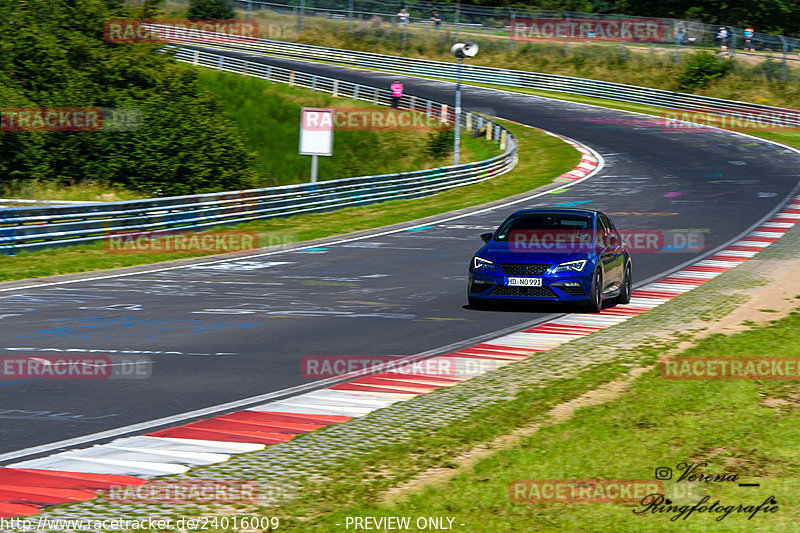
(33, 228)
(496, 76)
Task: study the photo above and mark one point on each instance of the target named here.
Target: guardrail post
(503, 139)
(785, 51)
(511, 18)
(269, 72)
(443, 116)
(428, 110)
(413, 103)
(350, 18)
(291, 78)
(335, 91)
(196, 58)
(301, 20)
(468, 122)
(678, 38)
(355, 91)
(458, 11)
(488, 131)
(313, 83)
(220, 62)
(376, 96)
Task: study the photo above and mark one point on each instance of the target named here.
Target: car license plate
(524, 282)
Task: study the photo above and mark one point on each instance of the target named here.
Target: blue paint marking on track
(420, 228)
(572, 204)
(712, 175)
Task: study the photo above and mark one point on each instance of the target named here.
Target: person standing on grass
(437, 20)
(397, 93)
(680, 33)
(403, 16)
(724, 37)
(748, 39)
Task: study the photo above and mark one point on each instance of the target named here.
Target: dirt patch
(557, 415)
(765, 303)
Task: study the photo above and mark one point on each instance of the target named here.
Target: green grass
(541, 159)
(747, 428)
(269, 114)
(80, 192)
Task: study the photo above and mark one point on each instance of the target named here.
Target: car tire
(624, 296)
(478, 303)
(595, 303)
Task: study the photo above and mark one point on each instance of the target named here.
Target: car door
(615, 257)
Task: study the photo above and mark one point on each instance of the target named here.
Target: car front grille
(535, 292)
(523, 269)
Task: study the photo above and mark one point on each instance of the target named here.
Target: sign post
(316, 135)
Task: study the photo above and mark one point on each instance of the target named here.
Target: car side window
(614, 238)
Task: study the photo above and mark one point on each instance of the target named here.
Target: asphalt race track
(225, 331)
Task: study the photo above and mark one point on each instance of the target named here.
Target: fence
(32, 228)
(504, 77)
(492, 23)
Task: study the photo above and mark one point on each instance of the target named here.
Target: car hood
(501, 252)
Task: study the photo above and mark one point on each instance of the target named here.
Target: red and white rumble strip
(79, 474)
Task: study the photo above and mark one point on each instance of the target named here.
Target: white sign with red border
(316, 131)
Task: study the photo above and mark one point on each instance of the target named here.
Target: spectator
(437, 20)
(680, 33)
(724, 37)
(397, 93)
(748, 39)
(403, 16)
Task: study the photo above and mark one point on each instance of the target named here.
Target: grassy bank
(744, 427)
(541, 159)
(269, 114)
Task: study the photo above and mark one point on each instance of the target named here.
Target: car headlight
(571, 266)
(482, 264)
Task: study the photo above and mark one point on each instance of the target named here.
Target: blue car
(553, 255)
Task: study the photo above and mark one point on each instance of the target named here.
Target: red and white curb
(80, 474)
(585, 167)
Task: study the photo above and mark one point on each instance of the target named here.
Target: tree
(210, 10)
(53, 54)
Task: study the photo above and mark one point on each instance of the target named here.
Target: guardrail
(32, 228)
(494, 76)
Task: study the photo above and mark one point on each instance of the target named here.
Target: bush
(701, 69)
(211, 10)
(440, 143)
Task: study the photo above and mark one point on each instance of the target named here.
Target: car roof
(561, 210)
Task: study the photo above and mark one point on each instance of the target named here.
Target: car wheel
(595, 303)
(624, 296)
(478, 303)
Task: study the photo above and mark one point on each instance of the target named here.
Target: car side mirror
(486, 237)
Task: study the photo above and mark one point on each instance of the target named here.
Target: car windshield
(543, 222)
